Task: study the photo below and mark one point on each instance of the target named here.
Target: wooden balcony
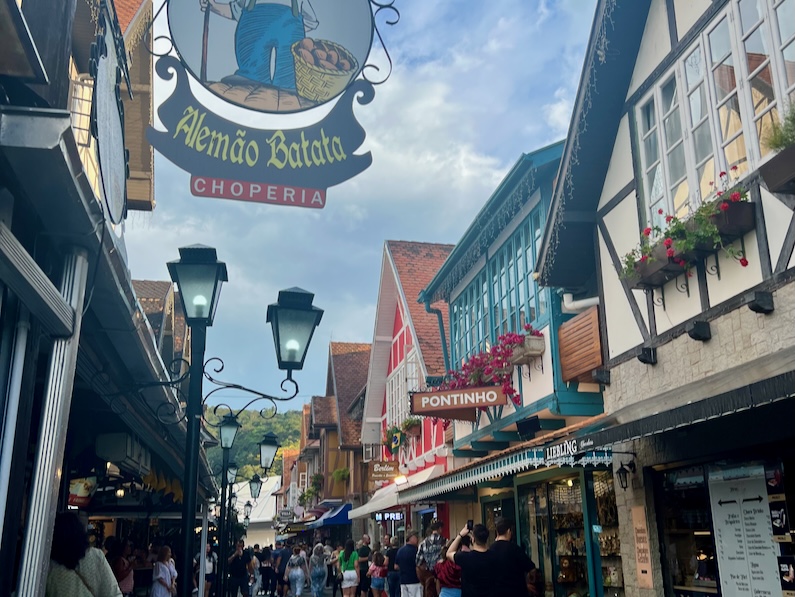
(580, 346)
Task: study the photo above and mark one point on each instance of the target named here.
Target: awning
(644, 419)
(337, 516)
(383, 499)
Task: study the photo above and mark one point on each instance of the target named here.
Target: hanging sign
(81, 491)
(383, 470)
(642, 548)
(274, 57)
(457, 404)
(395, 516)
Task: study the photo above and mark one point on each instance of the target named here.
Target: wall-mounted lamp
(623, 474)
(401, 480)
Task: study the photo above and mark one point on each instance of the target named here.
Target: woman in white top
(164, 577)
(77, 570)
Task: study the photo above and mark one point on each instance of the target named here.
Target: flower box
(534, 346)
(779, 171)
(414, 430)
(732, 223)
(658, 270)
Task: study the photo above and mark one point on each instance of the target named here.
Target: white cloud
(558, 113)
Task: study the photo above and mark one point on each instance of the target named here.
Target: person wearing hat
(406, 563)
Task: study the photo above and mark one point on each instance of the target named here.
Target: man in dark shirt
(392, 573)
(364, 565)
(406, 562)
(238, 569)
(477, 566)
(281, 556)
(512, 565)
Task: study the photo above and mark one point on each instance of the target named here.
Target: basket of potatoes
(322, 68)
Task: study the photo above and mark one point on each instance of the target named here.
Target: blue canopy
(337, 516)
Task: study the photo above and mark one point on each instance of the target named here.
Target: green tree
(245, 450)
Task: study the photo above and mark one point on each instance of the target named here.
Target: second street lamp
(199, 276)
(255, 486)
(247, 509)
(268, 447)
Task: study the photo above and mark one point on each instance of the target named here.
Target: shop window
(725, 530)
(712, 110)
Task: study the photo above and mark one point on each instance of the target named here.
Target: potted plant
(341, 475)
(317, 482)
(412, 426)
(665, 253)
(532, 345)
(779, 171)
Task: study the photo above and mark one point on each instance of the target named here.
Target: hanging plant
(317, 482)
(341, 475)
(412, 426)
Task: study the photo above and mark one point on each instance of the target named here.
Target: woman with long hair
(349, 566)
(297, 572)
(318, 571)
(164, 577)
(119, 559)
(76, 568)
(448, 573)
(377, 574)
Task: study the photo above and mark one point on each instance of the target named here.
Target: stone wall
(738, 337)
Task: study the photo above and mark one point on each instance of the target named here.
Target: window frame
(770, 28)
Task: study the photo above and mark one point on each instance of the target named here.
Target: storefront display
(552, 526)
(726, 531)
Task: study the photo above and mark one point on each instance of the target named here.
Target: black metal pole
(220, 584)
(198, 336)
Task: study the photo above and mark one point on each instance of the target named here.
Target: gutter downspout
(428, 309)
(569, 305)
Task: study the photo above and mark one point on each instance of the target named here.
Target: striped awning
(506, 464)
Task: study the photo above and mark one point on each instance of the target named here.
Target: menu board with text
(746, 548)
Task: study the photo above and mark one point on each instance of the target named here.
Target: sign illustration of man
(265, 27)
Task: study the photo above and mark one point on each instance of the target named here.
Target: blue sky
(474, 85)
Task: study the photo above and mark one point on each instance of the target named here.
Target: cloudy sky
(474, 85)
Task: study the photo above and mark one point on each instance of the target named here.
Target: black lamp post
(199, 276)
(227, 431)
(293, 319)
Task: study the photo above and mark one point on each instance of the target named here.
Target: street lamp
(199, 277)
(233, 501)
(246, 522)
(255, 486)
(293, 320)
(247, 509)
(268, 447)
(231, 473)
(228, 430)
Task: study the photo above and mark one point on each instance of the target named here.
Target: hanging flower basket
(658, 269)
(533, 346)
(414, 430)
(412, 426)
(779, 171)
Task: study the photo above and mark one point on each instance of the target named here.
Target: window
(371, 452)
(405, 378)
(503, 296)
(711, 112)
(302, 481)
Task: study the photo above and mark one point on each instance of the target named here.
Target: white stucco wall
(777, 218)
(619, 173)
(687, 13)
(734, 278)
(654, 47)
(679, 306)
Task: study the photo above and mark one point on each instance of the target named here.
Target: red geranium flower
(646, 231)
(743, 262)
(722, 174)
(668, 242)
(660, 211)
(719, 193)
(668, 219)
(735, 196)
(681, 263)
(644, 258)
(670, 252)
(724, 206)
(734, 168)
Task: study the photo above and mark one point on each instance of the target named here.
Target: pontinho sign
(270, 59)
(457, 404)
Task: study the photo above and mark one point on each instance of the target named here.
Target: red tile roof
(152, 295)
(324, 411)
(417, 264)
(126, 11)
(305, 422)
(349, 363)
(289, 457)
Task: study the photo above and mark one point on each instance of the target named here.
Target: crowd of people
(465, 566)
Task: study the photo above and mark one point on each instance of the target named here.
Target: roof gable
(153, 297)
(348, 367)
(567, 250)
(324, 411)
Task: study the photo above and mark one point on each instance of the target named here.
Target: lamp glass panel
(231, 474)
(255, 486)
(294, 329)
(228, 431)
(247, 509)
(267, 453)
(199, 288)
(233, 501)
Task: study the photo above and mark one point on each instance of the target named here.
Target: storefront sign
(457, 404)
(285, 515)
(276, 58)
(642, 548)
(81, 491)
(388, 516)
(746, 549)
(561, 451)
(383, 470)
